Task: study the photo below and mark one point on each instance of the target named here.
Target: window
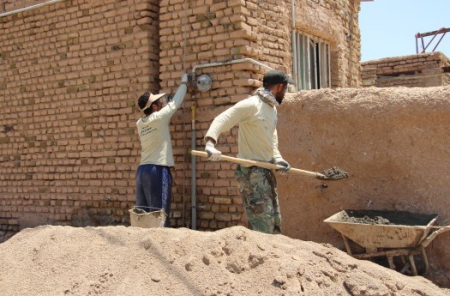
(311, 65)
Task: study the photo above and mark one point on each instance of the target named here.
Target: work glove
(184, 78)
(286, 166)
(213, 153)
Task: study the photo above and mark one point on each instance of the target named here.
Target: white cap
(151, 99)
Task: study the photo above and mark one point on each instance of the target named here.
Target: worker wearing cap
(257, 140)
(153, 177)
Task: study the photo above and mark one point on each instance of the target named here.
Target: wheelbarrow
(389, 234)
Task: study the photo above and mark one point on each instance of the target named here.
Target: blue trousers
(154, 189)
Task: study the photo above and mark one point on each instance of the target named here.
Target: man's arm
(178, 98)
(229, 118)
(225, 121)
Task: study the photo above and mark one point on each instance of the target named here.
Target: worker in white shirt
(153, 177)
(257, 140)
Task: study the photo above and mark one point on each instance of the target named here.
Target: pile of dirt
(62, 260)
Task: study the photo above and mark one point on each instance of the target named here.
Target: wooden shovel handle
(265, 165)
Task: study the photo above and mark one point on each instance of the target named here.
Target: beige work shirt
(258, 138)
(154, 133)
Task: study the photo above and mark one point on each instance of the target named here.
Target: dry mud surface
(393, 142)
(62, 260)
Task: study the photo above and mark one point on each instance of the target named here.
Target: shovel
(331, 174)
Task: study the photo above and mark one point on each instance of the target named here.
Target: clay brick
(206, 215)
(222, 200)
(222, 217)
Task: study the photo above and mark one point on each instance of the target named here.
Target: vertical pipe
(194, 170)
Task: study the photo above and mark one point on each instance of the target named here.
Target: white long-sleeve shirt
(258, 138)
(154, 133)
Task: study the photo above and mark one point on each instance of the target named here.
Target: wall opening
(313, 62)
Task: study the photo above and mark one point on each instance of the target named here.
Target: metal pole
(194, 170)
(30, 7)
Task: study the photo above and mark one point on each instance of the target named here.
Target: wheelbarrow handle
(432, 236)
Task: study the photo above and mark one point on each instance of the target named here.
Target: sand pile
(58, 260)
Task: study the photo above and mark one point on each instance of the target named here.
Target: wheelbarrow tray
(406, 229)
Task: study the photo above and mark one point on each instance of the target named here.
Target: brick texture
(70, 74)
(421, 70)
(200, 32)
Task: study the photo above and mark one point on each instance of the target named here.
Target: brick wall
(196, 33)
(421, 70)
(70, 76)
(71, 73)
(337, 23)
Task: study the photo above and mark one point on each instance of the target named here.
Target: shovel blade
(334, 173)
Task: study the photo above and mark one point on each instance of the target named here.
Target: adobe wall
(203, 32)
(70, 74)
(337, 23)
(393, 142)
(421, 70)
(69, 77)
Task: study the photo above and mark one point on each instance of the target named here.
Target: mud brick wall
(195, 33)
(70, 74)
(421, 70)
(337, 23)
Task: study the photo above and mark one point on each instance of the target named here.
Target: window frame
(311, 62)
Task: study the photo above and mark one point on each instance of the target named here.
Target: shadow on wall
(393, 142)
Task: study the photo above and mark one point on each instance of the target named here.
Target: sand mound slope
(57, 260)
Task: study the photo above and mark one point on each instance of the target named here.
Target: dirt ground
(63, 260)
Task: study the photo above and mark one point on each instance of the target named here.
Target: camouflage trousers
(258, 188)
